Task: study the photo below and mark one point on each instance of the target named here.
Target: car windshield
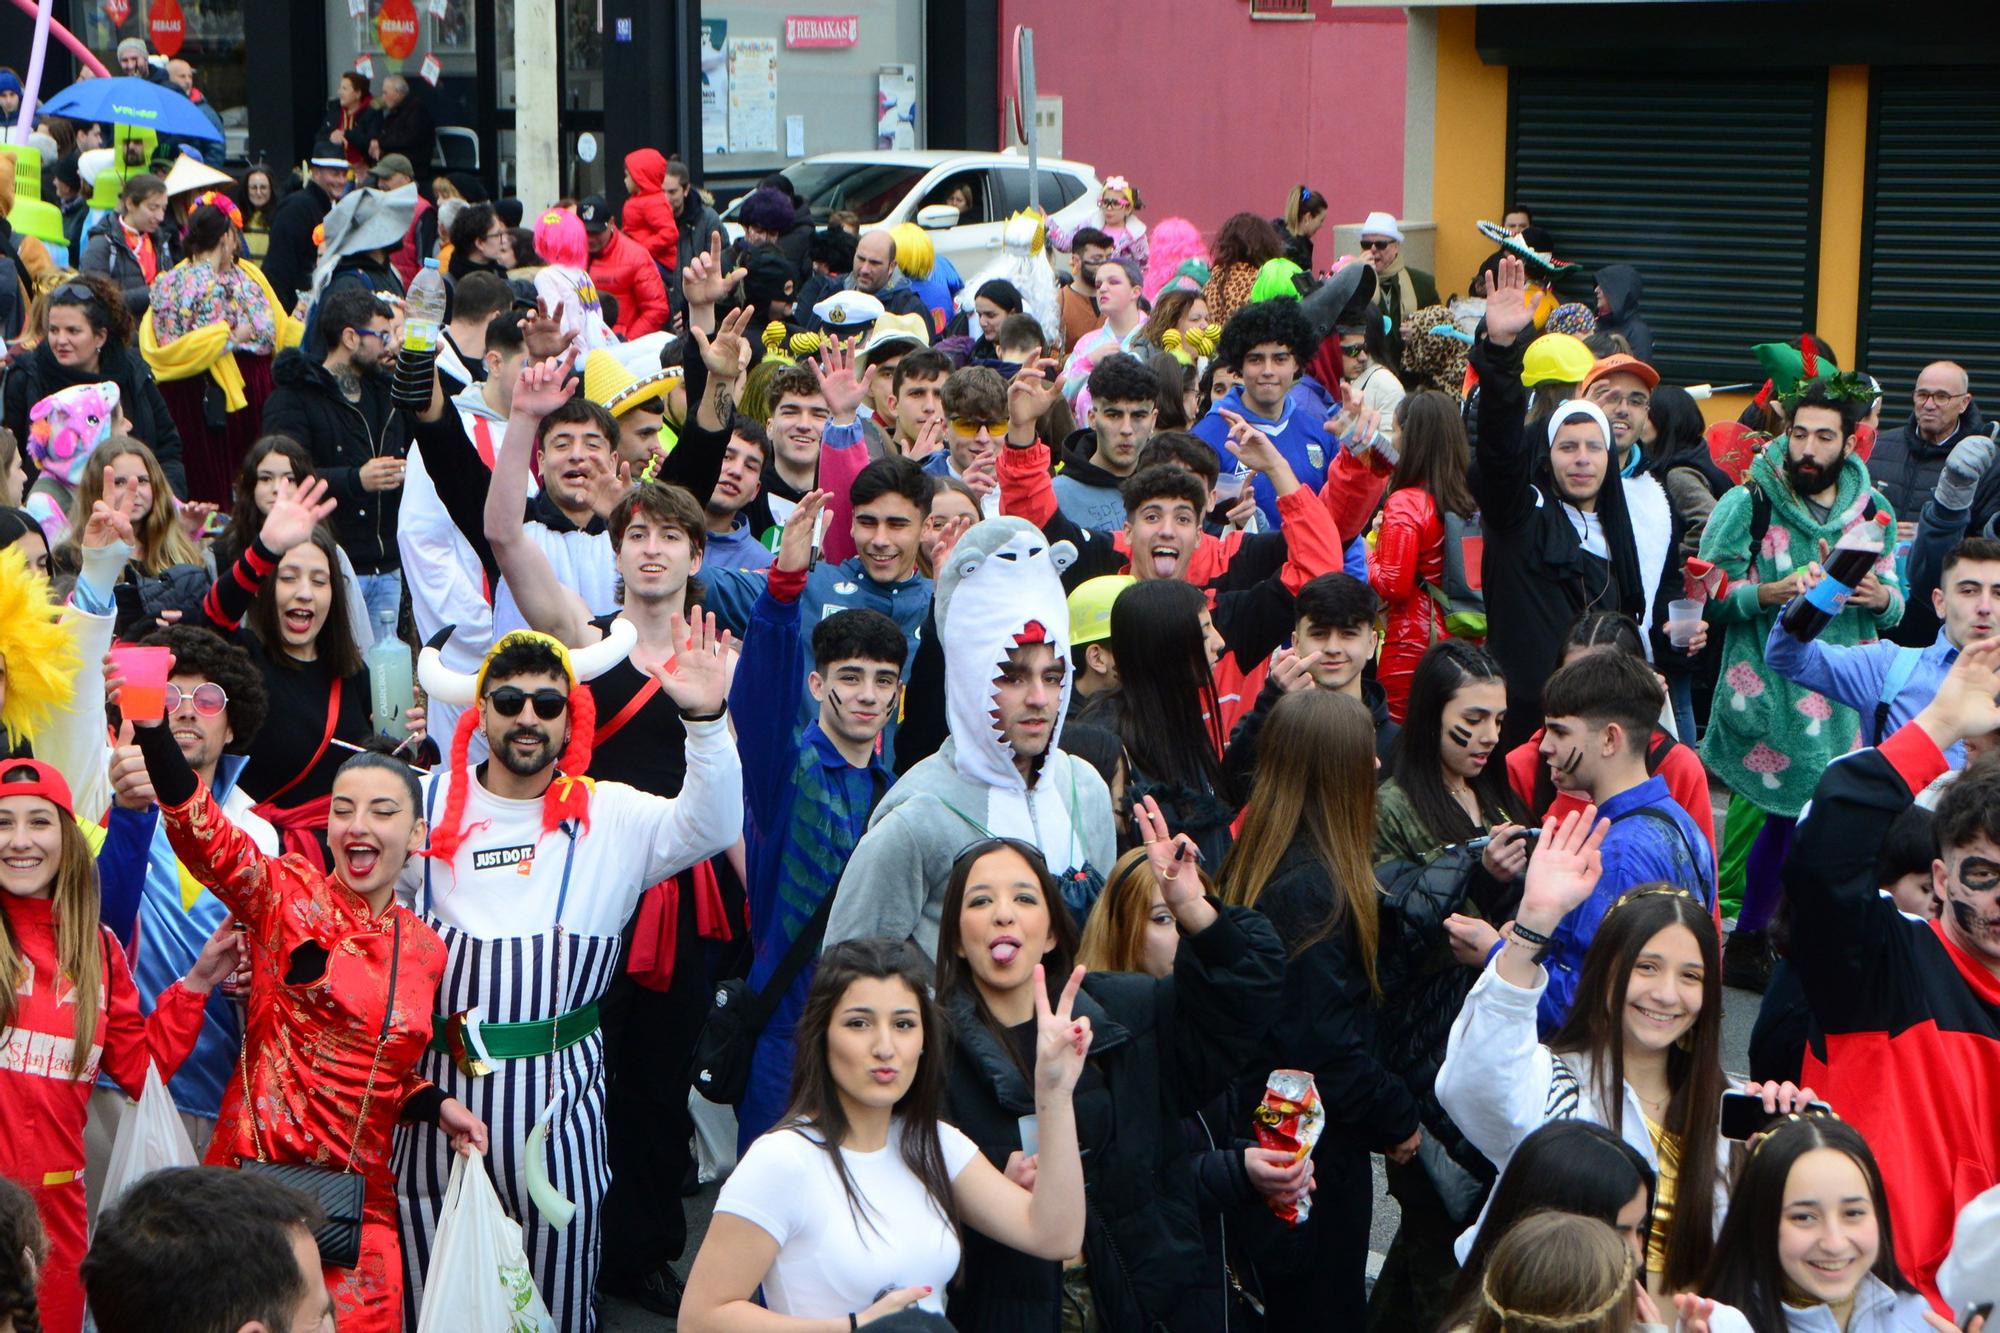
(871, 189)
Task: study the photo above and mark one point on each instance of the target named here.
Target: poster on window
(715, 85)
(896, 106)
(753, 94)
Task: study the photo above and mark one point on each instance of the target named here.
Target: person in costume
(64, 430)
(341, 982)
(1117, 216)
(531, 874)
(1024, 261)
(1004, 626)
(214, 322)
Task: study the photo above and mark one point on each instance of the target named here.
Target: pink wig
(560, 239)
(1171, 241)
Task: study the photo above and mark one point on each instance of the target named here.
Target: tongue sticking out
(1005, 952)
(1165, 564)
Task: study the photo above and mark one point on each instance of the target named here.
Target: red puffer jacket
(626, 272)
(1409, 552)
(647, 217)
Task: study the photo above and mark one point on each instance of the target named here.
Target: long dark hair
(1166, 703)
(24, 1249)
(245, 519)
(335, 643)
(1746, 1272)
(1446, 668)
(953, 974)
(1568, 1166)
(1435, 451)
(815, 1112)
(1596, 1028)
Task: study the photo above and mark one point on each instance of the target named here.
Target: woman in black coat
(90, 341)
(1304, 859)
(1160, 1049)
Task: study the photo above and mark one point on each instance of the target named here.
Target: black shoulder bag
(721, 1067)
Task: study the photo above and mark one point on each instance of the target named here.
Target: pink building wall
(1211, 113)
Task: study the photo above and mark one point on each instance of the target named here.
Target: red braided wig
(563, 800)
(449, 832)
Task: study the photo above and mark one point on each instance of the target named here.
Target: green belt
(523, 1041)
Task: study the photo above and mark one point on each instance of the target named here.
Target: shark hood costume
(1000, 589)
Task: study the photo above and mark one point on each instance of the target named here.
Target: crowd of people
(1064, 763)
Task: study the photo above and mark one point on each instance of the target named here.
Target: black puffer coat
(1159, 1050)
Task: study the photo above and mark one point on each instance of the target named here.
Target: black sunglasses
(508, 700)
(73, 291)
(1376, 245)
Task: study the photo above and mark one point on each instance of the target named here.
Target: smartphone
(1744, 1116)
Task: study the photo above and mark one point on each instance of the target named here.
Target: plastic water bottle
(424, 309)
(390, 683)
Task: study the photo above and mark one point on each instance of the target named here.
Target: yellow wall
(1469, 150)
(1469, 181)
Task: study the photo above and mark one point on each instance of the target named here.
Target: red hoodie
(647, 217)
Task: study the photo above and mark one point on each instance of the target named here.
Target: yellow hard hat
(1090, 607)
(1556, 358)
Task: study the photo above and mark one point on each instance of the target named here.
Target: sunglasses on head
(208, 698)
(73, 291)
(508, 701)
(1376, 245)
(968, 427)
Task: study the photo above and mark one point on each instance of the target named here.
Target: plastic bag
(714, 1137)
(478, 1280)
(150, 1138)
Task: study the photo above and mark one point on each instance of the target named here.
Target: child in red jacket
(647, 217)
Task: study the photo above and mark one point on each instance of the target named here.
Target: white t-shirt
(827, 1265)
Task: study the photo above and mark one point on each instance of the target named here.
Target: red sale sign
(118, 11)
(822, 30)
(167, 26)
(396, 26)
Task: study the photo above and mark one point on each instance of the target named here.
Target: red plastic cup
(143, 696)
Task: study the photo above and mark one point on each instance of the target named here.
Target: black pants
(1418, 1273)
(648, 1044)
(1320, 1280)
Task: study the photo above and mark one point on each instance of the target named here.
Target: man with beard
(1768, 738)
(532, 879)
(1076, 300)
(1905, 1031)
(1564, 534)
(1622, 387)
(655, 1005)
(340, 408)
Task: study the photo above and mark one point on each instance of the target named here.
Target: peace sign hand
(1168, 853)
(1062, 1040)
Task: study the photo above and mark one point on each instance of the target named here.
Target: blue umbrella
(140, 102)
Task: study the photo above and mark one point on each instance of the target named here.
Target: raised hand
(834, 366)
(696, 678)
(1507, 302)
(544, 385)
(1029, 394)
(1062, 1039)
(930, 439)
(131, 784)
(1564, 869)
(982, 474)
(795, 547)
(937, 543)
(1964, 705)
(704, 283)
(299, 508)
(1168, 853)
(610, 481)
(728, 352)
(543, 333)
(107, 525)
(1252, 447)
(1695, 1311)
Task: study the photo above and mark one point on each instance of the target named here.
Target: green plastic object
(27, 169)
(43, 221)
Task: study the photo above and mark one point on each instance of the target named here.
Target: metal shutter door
(1930, 243)
(1707, 184)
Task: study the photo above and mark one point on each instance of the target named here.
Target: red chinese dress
(320, 967)
(44, 1099)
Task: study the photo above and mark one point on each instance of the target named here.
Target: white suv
(886, 188)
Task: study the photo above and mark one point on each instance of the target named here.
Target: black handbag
(720, 1070)
(341, 1195)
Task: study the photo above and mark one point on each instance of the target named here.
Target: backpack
(1460, 596)
(1899, 674)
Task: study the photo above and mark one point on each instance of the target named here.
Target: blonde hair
(38, 656)
(1315, 779)
(915, 254)
(79, 943)
(162, 544)
(1558, 1273)
(1114, 934)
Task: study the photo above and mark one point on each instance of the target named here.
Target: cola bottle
(1852, 558)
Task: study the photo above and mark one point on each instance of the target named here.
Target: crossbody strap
(326, 739)
(804, 947)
